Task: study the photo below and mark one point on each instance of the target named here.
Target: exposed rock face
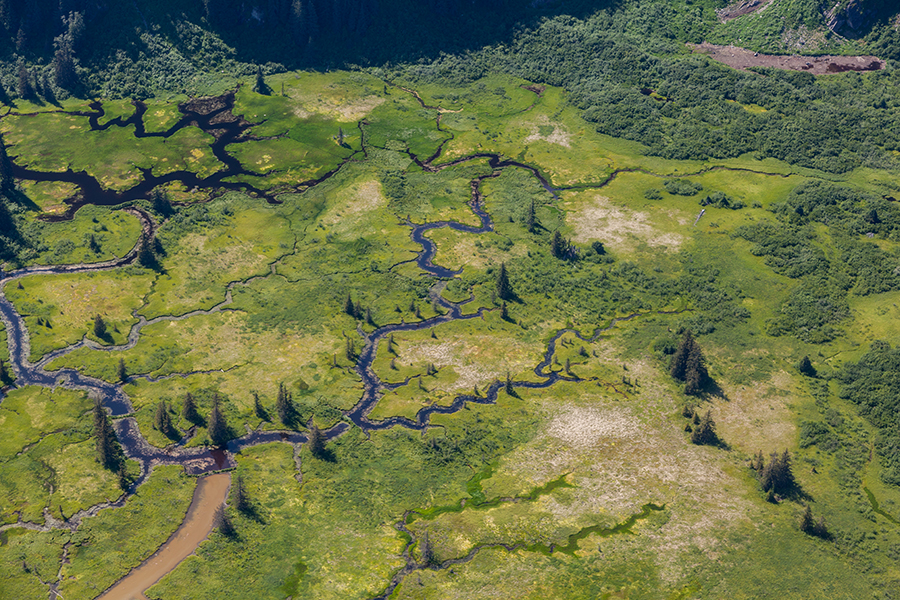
(850, 18)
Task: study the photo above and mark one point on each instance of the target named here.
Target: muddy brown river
(209, 495)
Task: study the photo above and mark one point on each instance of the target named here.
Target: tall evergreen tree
(807, 523)
(284, 406)
(99, 327)
(109, 451)
(530, 218)
(224, 524)
(695, 373)
(162, 420)
(218, 427)
(705, 431)
(316, 441)
(241, 502)
(5, 378)
(24, 88)
(558, 245)
(261, 87)
(258, 409)
(122, 371)
(161, 203)
(7, 181)
(425, 550)
(805, 366)
(504, 288)
(189, 409)
(778, 475)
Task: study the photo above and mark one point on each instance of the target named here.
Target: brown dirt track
(741, 58)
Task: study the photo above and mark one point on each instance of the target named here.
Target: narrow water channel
(210, 494)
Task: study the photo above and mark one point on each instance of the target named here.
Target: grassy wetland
(343, 247)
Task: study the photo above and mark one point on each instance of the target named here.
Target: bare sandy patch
(559, 136)
(476, 361)
(617, 226)
(756, 417)
(354, 204)
(307, 106)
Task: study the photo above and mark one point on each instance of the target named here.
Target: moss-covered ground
(249, 295)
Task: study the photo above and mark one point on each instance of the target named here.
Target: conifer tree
(99, 327)
(258, 409)
(189, 409)
(260, 87)
(678, 364)
(805, 366)
(161, 202)
(241, 502)
(705, 431)
(218, 427)
(5, 378)
(777, 476)
(162, 421)
(807, 523)
(349, 308)
(122, 371)
(509, 385)
(109, 451)
(425, 550)
(558, 245)
(284, 406)
(93, 244)
(504, 288)
(7, 181)
(695, 373)
(316, 441)
(504, 312)
(224, 524)
(123, 477)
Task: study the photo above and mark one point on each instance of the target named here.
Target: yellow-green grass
(113, 109)
(340, 97)
(495, 95)
(307, 153)
(29, 413)
(160, 116)
(48, 195)
(68, 242)
(57, 141)
(39, 552)
(106, 547)
(67, 305)
(200, 264)
(315, 551)
(48, 457)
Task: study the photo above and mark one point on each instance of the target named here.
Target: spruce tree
(241, 502)
(705, 431)
(93, 244)
(558, 245)
(258, 407)
(695, 373)
(678, 364)
(260, 87)
(218, 427)
(224, 524)
(162, 420)
(349, 308)
(807, 523)
(504, 312)
(805, 366)
(509, 385)
(284, 406)
(161, 202)
(99, 327)
(121, 371)
(425, 550)
(5, 378)
(504, 288)
(316, 442)
(109, 451)
(777, 476)
(7, 181)
(189, 409)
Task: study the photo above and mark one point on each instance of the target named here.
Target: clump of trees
(162, 421)
(704, 430)
(811, 526)
(689, 365)
(562, 248)
(776, 476)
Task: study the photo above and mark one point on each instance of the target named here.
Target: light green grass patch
(68, 242)
(66, 306)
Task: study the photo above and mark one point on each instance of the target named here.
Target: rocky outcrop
(851, 18)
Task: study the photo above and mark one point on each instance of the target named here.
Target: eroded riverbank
(210, 494)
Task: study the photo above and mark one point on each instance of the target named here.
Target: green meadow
(590, 488)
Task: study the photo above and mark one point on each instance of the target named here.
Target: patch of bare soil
(741, 58)
(741, 8)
